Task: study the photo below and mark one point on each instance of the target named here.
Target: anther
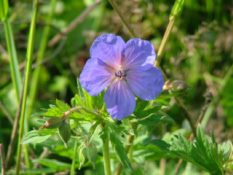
(120, 73)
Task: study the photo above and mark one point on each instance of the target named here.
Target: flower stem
(164, 41)
(131, 31)
(72, 171)
(176, 10)
(107, 165)
(27, 75)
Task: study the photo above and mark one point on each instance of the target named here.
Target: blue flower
(126, 69)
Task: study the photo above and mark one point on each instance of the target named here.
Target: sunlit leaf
(34, 137)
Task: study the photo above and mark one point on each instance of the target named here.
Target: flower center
(120, 73)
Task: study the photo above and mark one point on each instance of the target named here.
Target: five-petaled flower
(126, 69)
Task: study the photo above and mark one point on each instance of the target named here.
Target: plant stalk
(29, 57)
(107, 165)
(42, 49)
(72, 171)
(14, 67)
(164, 41)
(2, 153)
(131, 31)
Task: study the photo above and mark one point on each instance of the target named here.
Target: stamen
(120, 73)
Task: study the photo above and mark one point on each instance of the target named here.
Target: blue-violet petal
(120, 100)
(138, 53)
(96, 76)
(146, 84)
(108, 48)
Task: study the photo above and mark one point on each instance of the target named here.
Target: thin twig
(43, 155)
(15, 129)
(6, 113)
(3, 159)
(162, 163)
(74, 23)
(59, 48)
(187, 115)
(127, 25)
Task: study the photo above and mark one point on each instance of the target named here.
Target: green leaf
(98, 101)
(152, 109)
(84, 96)
(64, 132)
(57, 110)
(79, 100)
(154, 119)
(80, 90)
(62, 106)
(33, 171)
(54, 112)
(34, 137)
(4, 7)
(164, 146)
(88, 100)
(91, 152)
(94, 130)
(81, 156)
(54, 164)
(204, 152)
(141, 105)
(120, 152)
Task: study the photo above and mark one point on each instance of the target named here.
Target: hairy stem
(107, 165)
(72, 170)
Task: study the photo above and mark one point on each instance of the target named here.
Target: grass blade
(27, 75)
(15, 74)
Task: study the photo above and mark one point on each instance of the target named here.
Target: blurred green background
(199, 52)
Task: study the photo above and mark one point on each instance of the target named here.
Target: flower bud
(52, 123)
(176, 86)
(91, 153)
(64, 132)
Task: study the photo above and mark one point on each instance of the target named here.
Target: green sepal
(64, 132)
(91, 153)
(53, 122)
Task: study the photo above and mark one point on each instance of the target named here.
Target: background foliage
(199, 52)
